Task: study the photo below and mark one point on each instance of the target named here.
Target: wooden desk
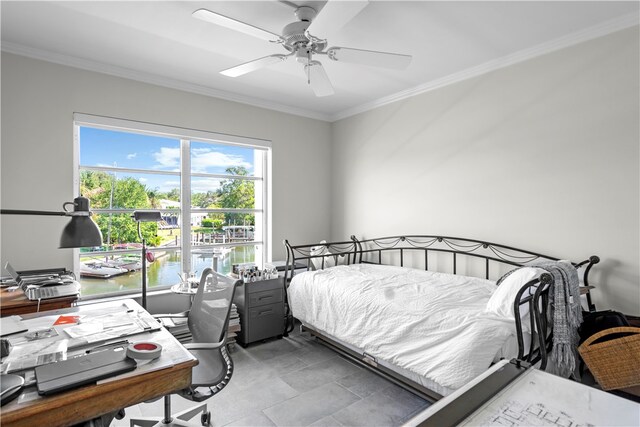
(16, 302)
(172, 373)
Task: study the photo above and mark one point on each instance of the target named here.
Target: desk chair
(208, 321)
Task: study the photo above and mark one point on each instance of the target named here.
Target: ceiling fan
(298, 40)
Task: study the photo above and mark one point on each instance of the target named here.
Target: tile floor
(296, 381)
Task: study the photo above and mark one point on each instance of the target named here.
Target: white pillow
(502, 299)
(329, 260)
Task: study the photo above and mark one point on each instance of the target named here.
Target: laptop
(86, 369)
(44, 286)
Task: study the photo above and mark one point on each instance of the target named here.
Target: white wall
(543, 155)
(38, 102)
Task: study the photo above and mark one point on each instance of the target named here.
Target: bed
(421, 310)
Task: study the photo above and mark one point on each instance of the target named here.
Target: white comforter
(432, 324)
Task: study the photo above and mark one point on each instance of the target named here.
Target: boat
(99, 269)
(221, 251)
(218, 251)
(128, 262)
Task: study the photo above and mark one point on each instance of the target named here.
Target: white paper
(541, 399)
(84, 329)
(35, 353)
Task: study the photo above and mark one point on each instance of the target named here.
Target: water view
(163, 272)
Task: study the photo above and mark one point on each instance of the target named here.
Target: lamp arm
(23, 212)
(45, 213)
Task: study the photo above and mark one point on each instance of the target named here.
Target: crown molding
(600, 30)
(154, 79)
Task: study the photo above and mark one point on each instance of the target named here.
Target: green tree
(204, 200)
(105, 191)
(174, 195)
(239, 194)
(96, 186)
(154, 198)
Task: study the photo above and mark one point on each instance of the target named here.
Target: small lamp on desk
(145, 216)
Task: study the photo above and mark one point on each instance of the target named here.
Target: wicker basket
(615, 363)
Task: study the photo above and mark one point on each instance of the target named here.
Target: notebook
(82, 370)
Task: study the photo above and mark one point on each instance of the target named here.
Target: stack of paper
(234, 327)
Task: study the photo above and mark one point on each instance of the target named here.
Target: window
(211, 190)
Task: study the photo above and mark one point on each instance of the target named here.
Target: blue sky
(100, 147)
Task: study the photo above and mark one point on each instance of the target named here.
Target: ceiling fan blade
(318, 79)
(234, 24)
(254, 65)
(369, 57)
(334, 15)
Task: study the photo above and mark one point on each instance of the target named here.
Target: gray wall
(38, 102)
(542, 155)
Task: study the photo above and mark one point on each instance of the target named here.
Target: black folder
(82, 370)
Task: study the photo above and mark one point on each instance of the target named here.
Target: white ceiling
(160, 42)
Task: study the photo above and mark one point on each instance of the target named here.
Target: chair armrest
(183, 315)
(203, 345)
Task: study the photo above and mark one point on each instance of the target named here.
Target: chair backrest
(209, 315)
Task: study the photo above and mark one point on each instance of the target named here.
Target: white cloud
(205, 158)
(202, 185)
(200, 150)
(167, 157)
(168, 186)
(131, 155)
(143, 179)
(201, 160)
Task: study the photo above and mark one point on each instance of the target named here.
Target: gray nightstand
(261, 309)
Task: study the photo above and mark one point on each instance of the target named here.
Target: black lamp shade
(80, 232)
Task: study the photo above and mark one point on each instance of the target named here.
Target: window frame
(186, 137)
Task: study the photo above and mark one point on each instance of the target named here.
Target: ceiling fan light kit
(297, 39)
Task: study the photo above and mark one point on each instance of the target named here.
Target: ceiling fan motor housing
(294, 33)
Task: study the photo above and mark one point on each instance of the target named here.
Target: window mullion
(185, 203)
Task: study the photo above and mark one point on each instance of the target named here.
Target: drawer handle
(265, 312)
(265, 297)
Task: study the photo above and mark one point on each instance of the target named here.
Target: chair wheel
(205, 419)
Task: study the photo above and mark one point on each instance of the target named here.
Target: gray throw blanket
(565, 313)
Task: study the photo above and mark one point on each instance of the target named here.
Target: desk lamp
(140, 217)
(80, 232)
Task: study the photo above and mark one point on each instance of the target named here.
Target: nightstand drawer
(266, 297)
(264, 322)
(264, 285)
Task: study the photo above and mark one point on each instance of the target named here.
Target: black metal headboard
(457, 247)
(395, 250)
